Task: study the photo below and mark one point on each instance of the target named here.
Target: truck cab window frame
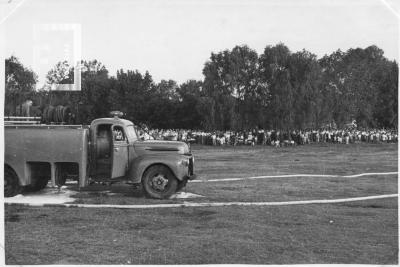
(119, 134)
(131, 133)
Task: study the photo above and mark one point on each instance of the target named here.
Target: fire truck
(108, 150)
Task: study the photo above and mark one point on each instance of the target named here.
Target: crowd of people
(274, 137)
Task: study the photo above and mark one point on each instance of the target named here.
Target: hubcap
(159, 182)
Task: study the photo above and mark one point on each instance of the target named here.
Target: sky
(172, 39)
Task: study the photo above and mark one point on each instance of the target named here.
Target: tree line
(240, 90)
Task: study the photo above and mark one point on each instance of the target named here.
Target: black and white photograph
(193, 132)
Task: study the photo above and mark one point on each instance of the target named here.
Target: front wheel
(159, 182)
(181, 185)
(11, 183)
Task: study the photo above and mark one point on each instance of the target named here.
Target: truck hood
(153, 146)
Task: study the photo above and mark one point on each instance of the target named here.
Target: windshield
(131, 133)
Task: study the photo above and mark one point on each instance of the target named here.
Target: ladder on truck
(15, 120)
(20, 122)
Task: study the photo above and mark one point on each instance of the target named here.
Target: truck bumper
(184, 168)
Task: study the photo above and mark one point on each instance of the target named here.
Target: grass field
(364, 232)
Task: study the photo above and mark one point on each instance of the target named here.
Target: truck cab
(111, 147)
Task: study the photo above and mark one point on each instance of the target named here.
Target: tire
(37, 185)
(40, 184)
(61, 177)
(159, 182)
(181, 185)
(11, 183)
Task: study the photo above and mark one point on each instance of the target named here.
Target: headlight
(183, 149)
(185, 162)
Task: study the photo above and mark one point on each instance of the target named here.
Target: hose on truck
(60, 114)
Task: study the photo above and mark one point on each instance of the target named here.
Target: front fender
(173, 162)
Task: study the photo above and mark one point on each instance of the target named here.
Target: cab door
(120, 152)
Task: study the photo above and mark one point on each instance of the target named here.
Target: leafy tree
(277, 88)
(20, 84)
(94, 99)
(241, 90)
(332, 72)
(131, 93)
(305, 77)
(353, 80)
(167, 90)
(231, 78)
(62, 73)
(206, 107)
(386, 105)
(188, 115)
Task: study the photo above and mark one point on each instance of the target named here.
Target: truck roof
(113, 121)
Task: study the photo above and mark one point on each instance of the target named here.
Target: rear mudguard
(173, 162)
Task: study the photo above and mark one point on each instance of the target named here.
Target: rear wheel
(11, 183)
(61, 178)
(159, 182)
(40, 184)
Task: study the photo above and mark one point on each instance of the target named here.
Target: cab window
(118, 134)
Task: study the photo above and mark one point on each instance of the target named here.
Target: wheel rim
(159, 182)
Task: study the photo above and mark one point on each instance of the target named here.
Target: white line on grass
(294, 175)
(212, 204)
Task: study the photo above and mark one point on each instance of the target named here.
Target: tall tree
(332, 73)
(305, 77)
(131, 93)
(278, 91)
(94, 99)
(188, 115)
(353, 80)
(386, 105)
(20, 84)
(231, 78)
(61, 73)
(167, 89)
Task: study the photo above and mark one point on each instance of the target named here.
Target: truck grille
(191, 166)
